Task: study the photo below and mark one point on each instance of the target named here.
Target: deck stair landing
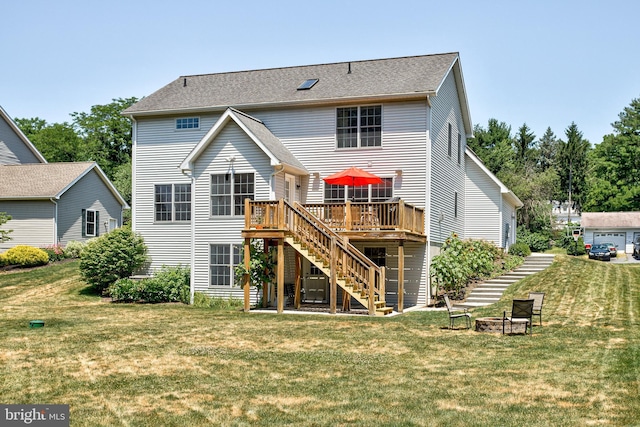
(491, 291)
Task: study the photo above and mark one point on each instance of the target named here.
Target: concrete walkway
(491, 291)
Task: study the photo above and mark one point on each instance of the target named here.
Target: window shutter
(97, 223)
(84, 223)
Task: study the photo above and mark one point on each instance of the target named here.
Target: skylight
(307, 84)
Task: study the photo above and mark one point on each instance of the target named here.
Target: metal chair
(456, 313)
(521, 312)
(538, 299)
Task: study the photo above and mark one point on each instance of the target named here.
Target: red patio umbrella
(353, 177)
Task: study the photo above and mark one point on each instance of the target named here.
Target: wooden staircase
(342, 262)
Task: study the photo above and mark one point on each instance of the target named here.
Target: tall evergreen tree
(572, 166)
(548, 150)
(614, 184)
(493, 145)
(524, 145)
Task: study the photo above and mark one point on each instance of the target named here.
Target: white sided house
(220, 159)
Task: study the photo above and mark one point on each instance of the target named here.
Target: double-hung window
(222, 261)
(172, 202)
(359, 126)
(228, 192)
(90, 223)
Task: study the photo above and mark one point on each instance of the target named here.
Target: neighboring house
(491, 206)
(52, 203)
(15, 148)
(55, 203)
(619, 228)
(205, 143)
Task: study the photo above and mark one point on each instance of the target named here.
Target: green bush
(519, 249)
(169, 284)
(55, 252)
(74, 249)
(537, 242)
(576, 248)
(112, 256)
(3, 260)
(26, 256)
(126, 290)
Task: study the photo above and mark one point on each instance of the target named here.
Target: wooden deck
(355, 220)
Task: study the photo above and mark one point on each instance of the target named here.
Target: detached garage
(619, 228)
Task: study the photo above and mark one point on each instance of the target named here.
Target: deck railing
(362, 216)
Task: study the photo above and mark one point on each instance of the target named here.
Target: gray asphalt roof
(393, 77)
(610, 219)
(39, 180)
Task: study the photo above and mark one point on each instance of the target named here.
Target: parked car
(600, 251)
(636, 248)
(612, 248)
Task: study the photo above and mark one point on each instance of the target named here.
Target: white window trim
(358, 139)
(173, 203)
(232, 194)
(86, 223)
(231, 264)
(175, 124)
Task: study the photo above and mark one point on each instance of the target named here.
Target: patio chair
(521, 312)
(538, 299)
(456, 313)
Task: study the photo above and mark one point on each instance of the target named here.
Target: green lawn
(171, 364)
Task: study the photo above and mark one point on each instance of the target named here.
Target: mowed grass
(176, 365)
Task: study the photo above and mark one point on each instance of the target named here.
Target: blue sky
(546, 63)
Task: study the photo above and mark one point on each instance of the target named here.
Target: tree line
(604, 177)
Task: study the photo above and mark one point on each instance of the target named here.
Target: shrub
(3, 260)
(204, 301)
(520, 249)
(576, 247)
(112, 256)
(124, 290)
(169, 284)
(74, 249)
(55, 252)
(26, 256)
(537, 242)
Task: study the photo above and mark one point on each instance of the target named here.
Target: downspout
(272, 182)
(134, 145)
(55, 220)
(427, 214)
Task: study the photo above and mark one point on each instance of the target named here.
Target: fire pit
(494, 324)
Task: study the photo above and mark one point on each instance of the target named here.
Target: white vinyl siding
(159, 150)
(484, 203)
(447, 175)
(249, 159)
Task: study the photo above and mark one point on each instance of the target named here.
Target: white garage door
(619, 239)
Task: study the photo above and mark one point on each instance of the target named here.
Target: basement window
(307, 84)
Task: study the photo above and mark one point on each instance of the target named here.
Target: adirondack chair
(456, 313)
(521, 312)
(538, 299)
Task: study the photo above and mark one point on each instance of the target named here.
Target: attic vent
(307, 84)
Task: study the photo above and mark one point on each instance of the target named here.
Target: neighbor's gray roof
(610, 219)
(46, 180)
(382, 78)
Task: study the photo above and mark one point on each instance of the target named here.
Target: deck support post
(265, 285)
(401, 276)
(333, 284)
(246, 283)
(298, 273)
(280, 275)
